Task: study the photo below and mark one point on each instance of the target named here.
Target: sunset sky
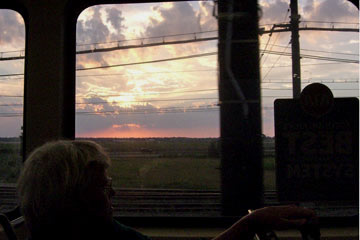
(156, 95)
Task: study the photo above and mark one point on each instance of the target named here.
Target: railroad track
(151, 202)
(179, 203)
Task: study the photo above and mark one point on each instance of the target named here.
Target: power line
(152, 61)
(208, 54)
(190, 99)
(147, 38)
(314, 21)
(287, 14)
(280, 54)
(279, 66)
(149, 100)
(141, 73)
(22, 51)
(163, 42)
(312, 50)
(289, 89)
(153, 93)
(331, 81)
(130, 112)
(215, 53)
(304, 64)
(283, 53)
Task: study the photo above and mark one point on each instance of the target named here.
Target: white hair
(53, 175)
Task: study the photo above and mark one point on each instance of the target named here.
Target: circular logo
(316, 99)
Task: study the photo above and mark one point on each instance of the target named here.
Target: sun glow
(137, 131)
(123, 100)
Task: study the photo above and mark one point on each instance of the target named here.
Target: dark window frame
(59, 113)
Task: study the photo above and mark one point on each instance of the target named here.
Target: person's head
(65, 179)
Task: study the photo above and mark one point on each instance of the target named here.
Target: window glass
(329, 55)
(146, 90)
(12, 53)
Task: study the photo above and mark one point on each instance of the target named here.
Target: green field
(10, 161)
(177, 173)
(164, 163)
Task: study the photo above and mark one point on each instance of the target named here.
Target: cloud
(126, 127)
(93, 29)
(114, 16)
(309, 7)
(141, 117)
(180, 16)
(207, 20)
(329, 10)
(12, 29)
(274, 12)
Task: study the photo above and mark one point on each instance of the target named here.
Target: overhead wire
(267, 73)
(204, 55)
(152, 61)
(314, 21)
(322, 51)
(277, 36)
(193, 99)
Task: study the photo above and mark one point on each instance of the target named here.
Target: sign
(317, 146)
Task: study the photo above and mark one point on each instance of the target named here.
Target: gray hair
(52, 176)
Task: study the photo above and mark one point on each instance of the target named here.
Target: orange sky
(138, 132)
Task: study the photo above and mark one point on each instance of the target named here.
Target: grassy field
(178, 173)
(10, 161)
(169, 163)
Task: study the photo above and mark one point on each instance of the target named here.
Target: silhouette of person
(65, 193)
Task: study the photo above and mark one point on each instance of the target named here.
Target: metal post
(295, 48)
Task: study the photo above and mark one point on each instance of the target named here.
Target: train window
(146, 90)
(12, 45)
(329, 54)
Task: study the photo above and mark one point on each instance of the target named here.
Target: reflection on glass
(327, 56)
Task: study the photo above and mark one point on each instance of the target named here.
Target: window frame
(59, 112)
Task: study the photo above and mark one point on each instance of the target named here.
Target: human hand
(278, 218)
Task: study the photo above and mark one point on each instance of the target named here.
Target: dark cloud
(144, 115)
(98, 104)
(330, 10)
(274, 12)
(180, 18)
(115, 18)
(115, 114)
(94, 30)
(12, 31)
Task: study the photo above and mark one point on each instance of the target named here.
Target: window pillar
(240, 116)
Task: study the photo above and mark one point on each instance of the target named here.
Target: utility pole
(295, 49)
